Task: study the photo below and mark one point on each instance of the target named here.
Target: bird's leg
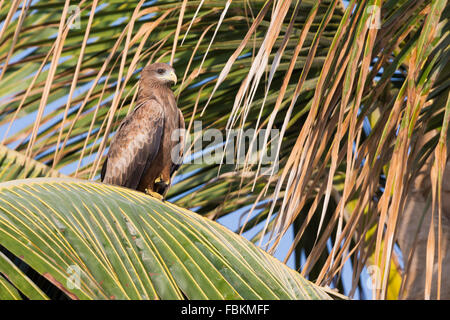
(154, 194)
(161, 185)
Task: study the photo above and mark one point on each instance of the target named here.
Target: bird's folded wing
(134, 146)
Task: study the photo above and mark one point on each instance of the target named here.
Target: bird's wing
(134, 146)
(181, 126)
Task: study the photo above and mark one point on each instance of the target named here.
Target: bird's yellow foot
(154, 194)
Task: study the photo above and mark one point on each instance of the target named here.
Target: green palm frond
(124, 244)
(14, 165)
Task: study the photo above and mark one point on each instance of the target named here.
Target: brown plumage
(140, 154)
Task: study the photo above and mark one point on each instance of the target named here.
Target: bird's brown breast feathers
(162, 166)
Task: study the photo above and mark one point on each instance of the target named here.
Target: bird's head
(159, 73)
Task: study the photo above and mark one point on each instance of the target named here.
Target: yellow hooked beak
(172, 77)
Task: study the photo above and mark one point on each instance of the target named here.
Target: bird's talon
(159, 179)
(154, 194)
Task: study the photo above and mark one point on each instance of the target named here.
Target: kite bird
(148, 145)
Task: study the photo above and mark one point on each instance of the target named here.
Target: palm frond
(95, 241)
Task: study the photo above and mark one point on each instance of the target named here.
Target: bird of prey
(145, 151)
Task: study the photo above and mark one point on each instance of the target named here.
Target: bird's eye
(160, 71)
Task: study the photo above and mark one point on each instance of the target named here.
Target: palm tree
(357, 90)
